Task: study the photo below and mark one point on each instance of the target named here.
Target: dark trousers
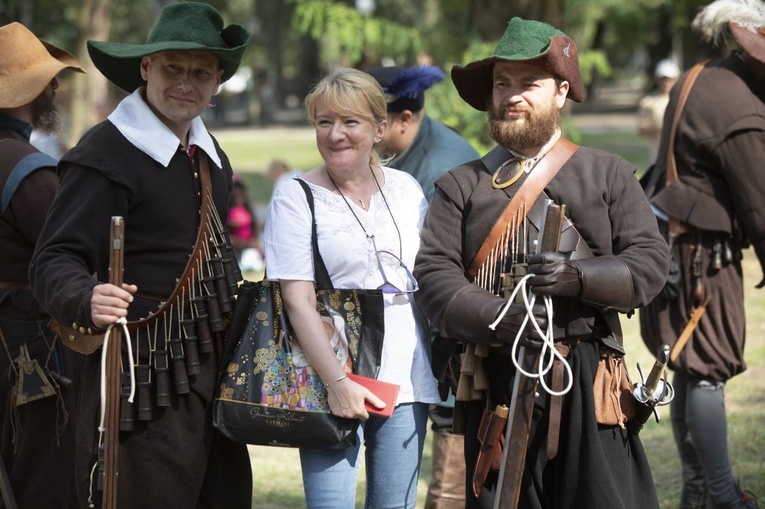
(38, 437)
(597, 466)
(701, 435)
(177, 460)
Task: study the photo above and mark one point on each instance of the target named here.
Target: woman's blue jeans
(393, 450)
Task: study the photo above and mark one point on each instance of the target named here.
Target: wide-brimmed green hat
(531, 42)
(181, 26)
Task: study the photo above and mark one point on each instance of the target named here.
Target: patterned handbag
(268, 393)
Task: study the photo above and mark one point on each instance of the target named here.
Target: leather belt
(556, 402)
(507, 348)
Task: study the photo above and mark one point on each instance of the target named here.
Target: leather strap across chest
(198, 253)
(527, 194)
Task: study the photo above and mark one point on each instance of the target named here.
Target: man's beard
(45, 115)
(536, 130)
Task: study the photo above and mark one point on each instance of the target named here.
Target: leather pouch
(612, 390)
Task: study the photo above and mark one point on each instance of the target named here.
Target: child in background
(243, 230)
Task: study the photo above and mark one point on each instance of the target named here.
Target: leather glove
(507, 328)
(603, 282)
(554, 275)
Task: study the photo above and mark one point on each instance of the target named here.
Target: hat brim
(474, 82)
(28, 65)
(752, 42)
(120, 62)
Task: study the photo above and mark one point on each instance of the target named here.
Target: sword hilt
(655, 390)
(654, 377)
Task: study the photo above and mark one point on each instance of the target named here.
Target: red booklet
(386, 391)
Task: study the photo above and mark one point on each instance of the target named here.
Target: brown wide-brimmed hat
(28, 64)
(530, 42)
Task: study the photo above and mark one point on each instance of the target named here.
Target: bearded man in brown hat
(154, 164)
(712, 210)
(479, 238)
(36, 401)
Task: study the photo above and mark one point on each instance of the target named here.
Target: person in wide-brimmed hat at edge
(583, 449)
(153, 163)
(37, 407)
(717, 202)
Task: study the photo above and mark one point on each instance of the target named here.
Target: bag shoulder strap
(675, 227)
(323, 281)
(683, 98)
(532, 187)
(27, 164)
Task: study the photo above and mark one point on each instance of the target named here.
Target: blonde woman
(368, 220)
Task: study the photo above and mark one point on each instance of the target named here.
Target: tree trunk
(89, 90)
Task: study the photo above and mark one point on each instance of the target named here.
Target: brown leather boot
(447, 485)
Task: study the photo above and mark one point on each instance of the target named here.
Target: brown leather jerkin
(541, 175)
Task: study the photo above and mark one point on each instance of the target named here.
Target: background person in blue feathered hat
(419, 145)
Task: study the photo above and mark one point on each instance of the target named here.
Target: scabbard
(491, 438)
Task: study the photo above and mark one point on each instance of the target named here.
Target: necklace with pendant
(361, 201)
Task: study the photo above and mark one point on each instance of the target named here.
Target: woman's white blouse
(351, 262)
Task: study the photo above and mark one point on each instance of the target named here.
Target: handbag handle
(323, 281)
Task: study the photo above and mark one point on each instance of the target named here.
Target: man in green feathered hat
(154, 164)
(482, 236)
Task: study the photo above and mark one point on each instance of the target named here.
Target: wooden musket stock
(113, 377)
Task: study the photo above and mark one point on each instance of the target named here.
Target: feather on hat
(405, 87)
(744, 20)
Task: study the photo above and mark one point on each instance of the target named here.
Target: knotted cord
(123, 322)
(549, 353)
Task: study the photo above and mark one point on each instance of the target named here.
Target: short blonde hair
(350, 92)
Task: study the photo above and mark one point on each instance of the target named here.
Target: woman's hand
(346, 399)
(109, 303)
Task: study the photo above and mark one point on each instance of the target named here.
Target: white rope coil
(548, 354)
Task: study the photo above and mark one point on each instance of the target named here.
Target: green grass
(276, 472)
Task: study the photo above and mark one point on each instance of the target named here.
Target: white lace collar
(135, 120)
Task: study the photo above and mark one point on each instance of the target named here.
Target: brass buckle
(499, 175)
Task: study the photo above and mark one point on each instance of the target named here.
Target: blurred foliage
(295, 41)
(443, 103)
(354, 33)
